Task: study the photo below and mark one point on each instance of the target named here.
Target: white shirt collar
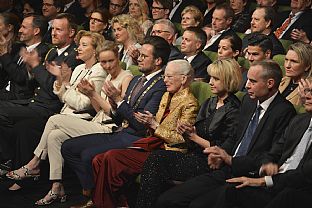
(151, 75)
(32, 47)
(66, 6)
(61, 50)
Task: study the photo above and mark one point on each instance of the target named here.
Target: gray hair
(183, 66)
(168, 23)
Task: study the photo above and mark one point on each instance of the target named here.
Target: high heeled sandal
(53, 197)
(15, 176)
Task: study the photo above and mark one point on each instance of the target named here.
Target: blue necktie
(242, 150)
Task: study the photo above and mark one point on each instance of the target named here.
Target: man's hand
(112, 92)
(269, 169)
(216, 152)
(31, 58)
(244, 182)
(305, 86)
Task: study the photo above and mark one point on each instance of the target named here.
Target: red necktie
(282, 28)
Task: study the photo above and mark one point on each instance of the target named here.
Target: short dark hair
(199, 34)
(269, 14)
(229, 12)
(59, 4)
(167, 4)
(11, 19)
(35, 5)
(261, 40)
(70, 18)
(236, 42)
(39, 22)
(161, 48)
(271, 70)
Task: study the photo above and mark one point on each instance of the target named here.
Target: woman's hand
(86, 88)
(186, 129)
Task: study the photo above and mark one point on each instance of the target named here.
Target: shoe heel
(63, 198)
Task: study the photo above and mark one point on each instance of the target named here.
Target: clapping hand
(112, 92)
(61, 72)
(186, 129)
(31, 58)
(86, 88)
(147, 119)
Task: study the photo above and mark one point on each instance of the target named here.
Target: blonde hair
(110, 46)
(97, 39)
(131, 25)
(229, 73)
(198, 16)
(304, 53)
(144, 10)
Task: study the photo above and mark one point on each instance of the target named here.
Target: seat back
(201, 90)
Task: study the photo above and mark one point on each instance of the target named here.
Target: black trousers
(201, 191)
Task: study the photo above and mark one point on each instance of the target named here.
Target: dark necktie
(137, 88)
(242, 150)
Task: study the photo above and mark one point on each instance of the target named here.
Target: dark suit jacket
(76, 10)
(241, 22)
(44, 100)
(214, 46)
(200, 64)
(303, 22)
(208, 17)
(281, 151)
(177, 15)
(268, 132)
(20, 85)
(149, 102)
(175, 53)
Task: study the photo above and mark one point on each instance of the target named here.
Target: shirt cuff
(268, 181)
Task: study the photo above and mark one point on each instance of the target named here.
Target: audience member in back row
(20, 85)
(165, 28)
(263, 117)
(241, 21)
(9, 26)
(191, 17)
(99, 22)
(115, 168)
(229, 47)
(259, 48)
(210, 7)
(193, 41)
(143, 94)
(299, 18)
(222, 18)
(298, 65)
(127, 32)
(44, 102)
(262, 22)
(138, 10)
(215, 122)
(32, 7)
(50, 8)
(161, 9)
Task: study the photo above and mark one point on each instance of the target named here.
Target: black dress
(163, 166)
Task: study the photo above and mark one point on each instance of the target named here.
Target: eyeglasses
(47, 5)
(157, 8)
(96, 20)
(142, 56)
(115, 5)
(154, 32)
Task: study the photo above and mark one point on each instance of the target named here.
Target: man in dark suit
(193, 41)
(299, 17)
(44, 102)
(31, 32)
(143, 94)
(179, 5)
(73, 7)
(286, 168)
(210, 7)
(222, 19)
(264, 115)
(262, 22)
